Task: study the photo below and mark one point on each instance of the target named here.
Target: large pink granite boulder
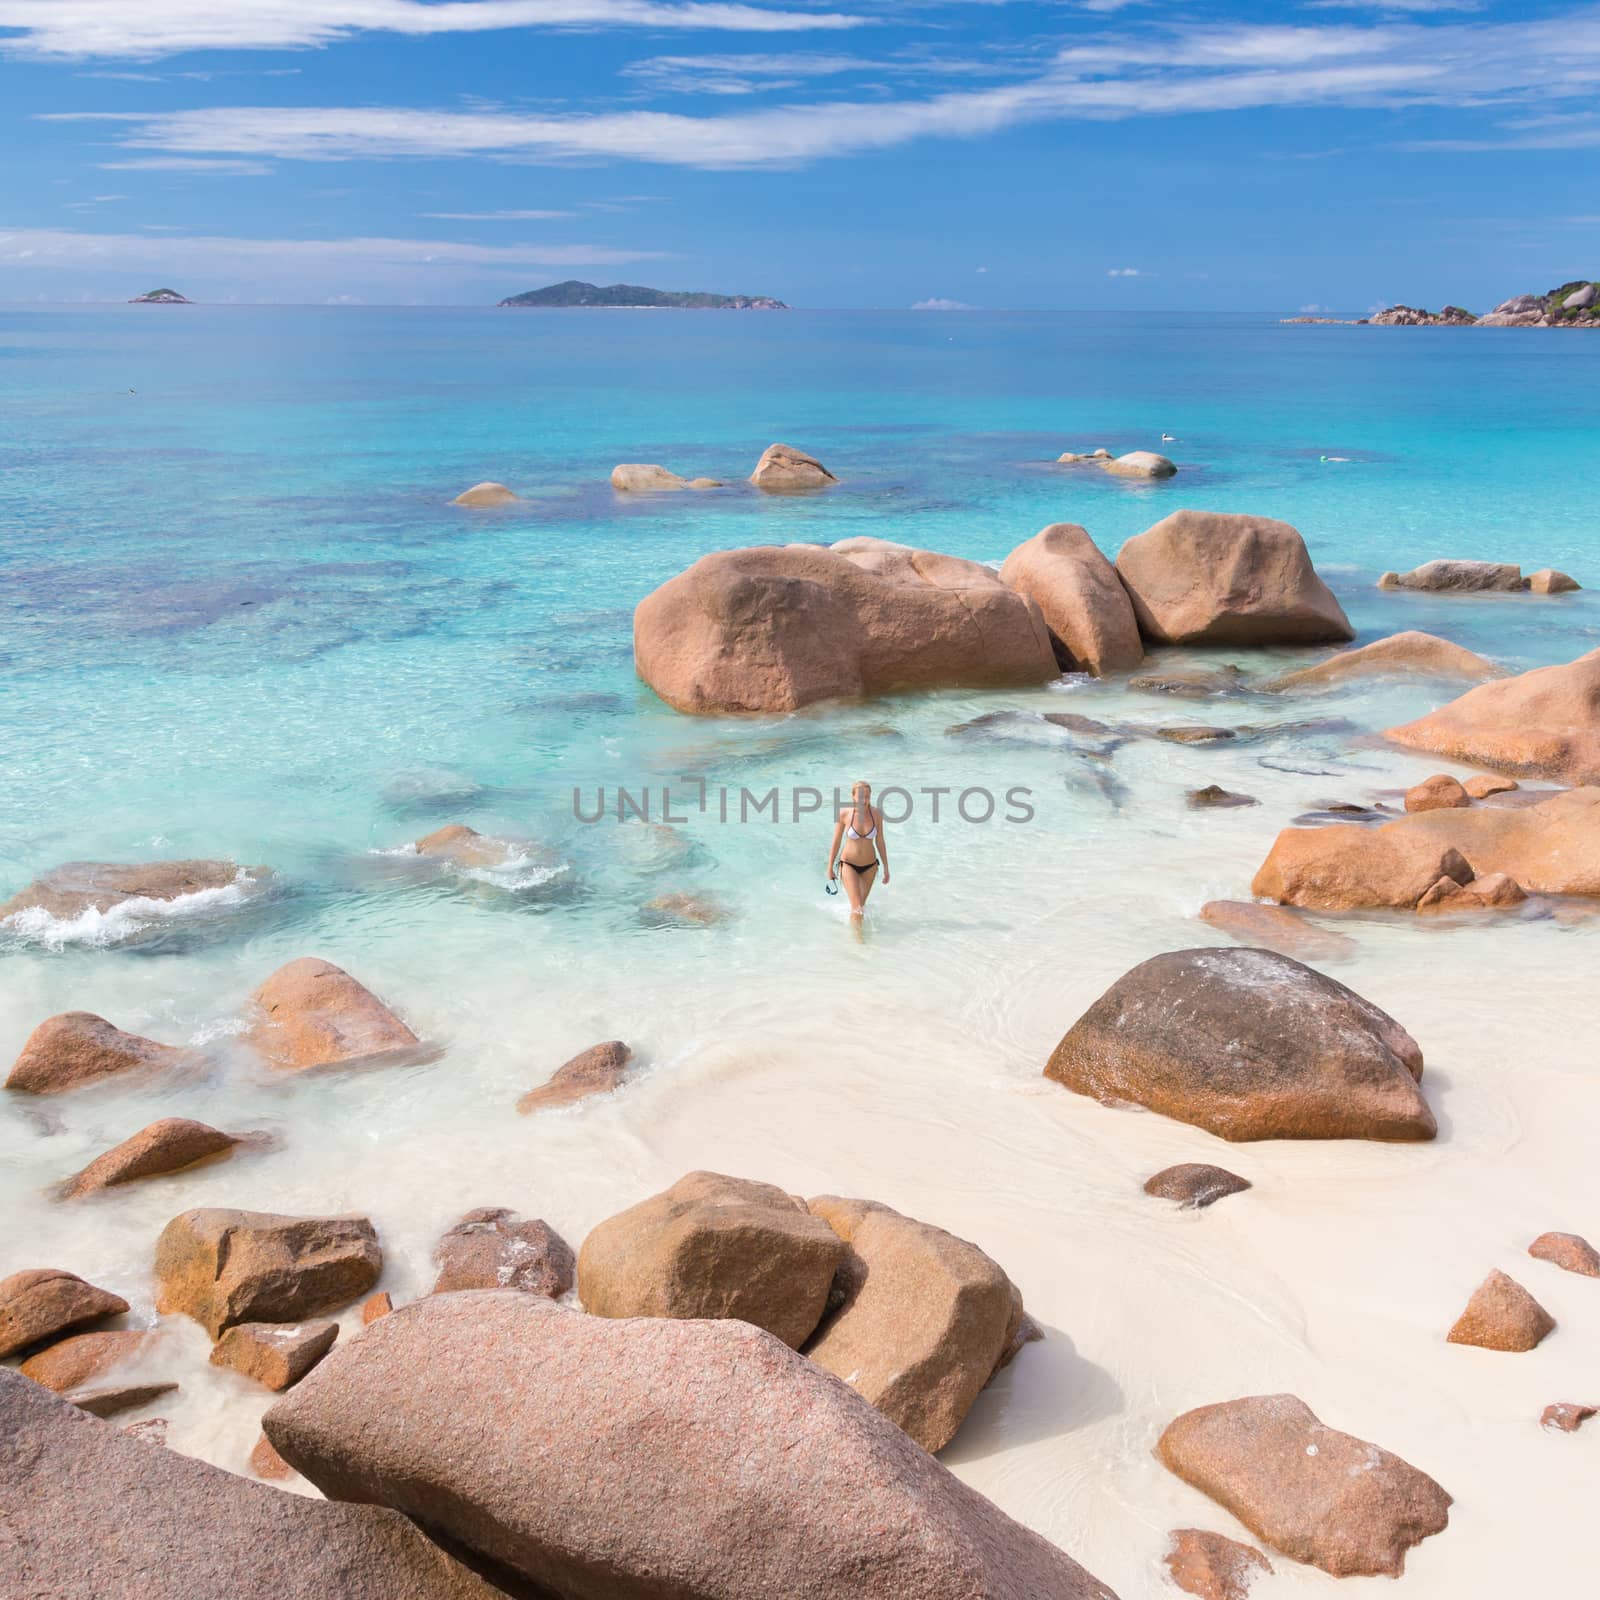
(1085, 606)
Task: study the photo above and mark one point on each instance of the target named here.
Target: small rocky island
(160, 297)
(1573, 305)
(628, 296)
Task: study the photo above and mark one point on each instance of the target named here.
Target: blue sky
(1103, 154)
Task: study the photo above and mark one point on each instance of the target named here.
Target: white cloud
(196, 164)
(1312, 310)
(1128, 272)
(738, 74)
(1182, 69)
(496, 216)
(78, 30)
(937, 304)
(206, 254)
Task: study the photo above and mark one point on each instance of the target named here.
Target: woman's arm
(883, 843)
(833, 849)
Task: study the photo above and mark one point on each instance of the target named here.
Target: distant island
(1573, 305)
(631, 296)
(160, 297)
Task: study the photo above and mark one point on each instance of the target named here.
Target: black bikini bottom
(871, 866)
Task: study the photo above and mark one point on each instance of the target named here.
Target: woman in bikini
(860, 830)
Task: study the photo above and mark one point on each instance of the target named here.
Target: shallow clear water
(240, 618)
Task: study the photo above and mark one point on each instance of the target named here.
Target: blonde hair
(860, 783)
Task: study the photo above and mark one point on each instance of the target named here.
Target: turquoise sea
(239, 617)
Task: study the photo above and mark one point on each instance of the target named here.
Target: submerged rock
(77, 1047)
(1085, 607)
(485, 494)
(645, 1458)
(224, 1267)
(1276, 928)
(277, 1354)
(1197, 684)
(784, 470)
(312, 1014)
(1543, 724)
(918, 1320)
(1194, 1184)
(598, 1070)
(1458, 577)
(683, 910)
(1569, 1251)
(712, 1246)
(1409, 654)
(1502, 1315)
(1215, 798)
(778, 628)
(1204, 577)
(43, 1303)
(637, 478)
(92, 1514)
(1247, 1044)
(1305, 1489)
(1211, 1566)
(491, 1248)
(168, 1145)
(76, 887)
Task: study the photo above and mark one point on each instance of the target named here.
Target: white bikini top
(850, 828)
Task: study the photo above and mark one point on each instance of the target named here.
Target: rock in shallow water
(1276, 928)
(1204, 577)
(1458, 577)
(313, 1014)
(784, 470)
(92, 1514)
(224, 1267)
(1502, 1315)
(1247, 1044)
(490, 1248)
(1544, 723)
(76, 1362)
(1569, 1251)
(1405, 655)
(1211, 1566)
(597, 1070)
(485, 494)
(1215, 798)
(1552, 847)
(1566, 1416)
(647, 1459)
(1085, 607)
(1194, 1184)
(713, 1246)
(918, 1319)
(75, 1048)
(168, 1145)
(43, 1303)
(1307, 1490)
(276, 1354)
(79, 886)
(777, 628)
(1441, 792)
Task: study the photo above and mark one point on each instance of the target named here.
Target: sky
(1118, 155)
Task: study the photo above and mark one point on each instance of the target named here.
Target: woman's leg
(858, 885)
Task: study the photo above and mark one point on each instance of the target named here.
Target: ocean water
(240, 618)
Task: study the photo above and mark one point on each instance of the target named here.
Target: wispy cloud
(1127, 272)
(1182, 69)
(940, 304)
(496, 216)
(204, 165)
(77, 30)
(207, 254)
(739, 74)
